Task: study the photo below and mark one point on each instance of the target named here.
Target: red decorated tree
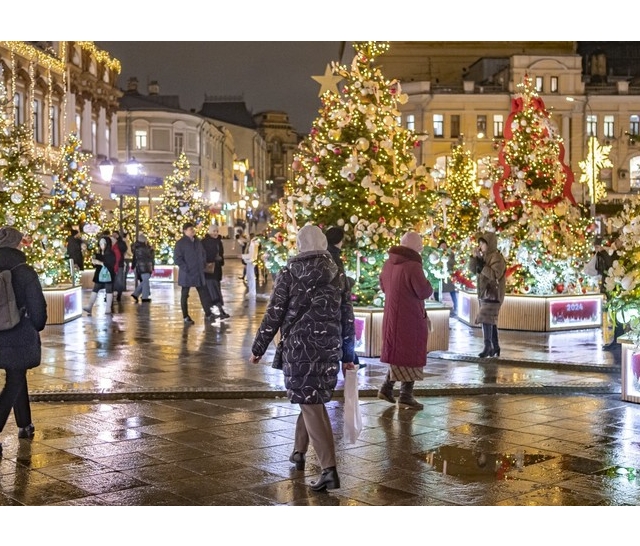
(543, 233)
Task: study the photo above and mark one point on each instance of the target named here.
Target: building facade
(56, 88)
(466, 96)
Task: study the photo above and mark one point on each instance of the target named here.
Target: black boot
(329, 479)
(298, 459)
(488, 346)
(386, 391)
(494, 341)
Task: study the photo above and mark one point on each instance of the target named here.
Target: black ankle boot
(488, 350)
(328, 480)
(298, 459)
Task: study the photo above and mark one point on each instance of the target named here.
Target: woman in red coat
(404, 325)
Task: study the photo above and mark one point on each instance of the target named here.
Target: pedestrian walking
(490, 267)
(190, 257)
(20, 348)
(105, 262)
(143, 264)
(311, 309)
(405, 323)
(214, 250)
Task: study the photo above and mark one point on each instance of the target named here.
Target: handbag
(491, 292)
(104, 275)
(352, 417)
(209, 267)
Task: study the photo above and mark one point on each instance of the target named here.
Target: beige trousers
(313, 425)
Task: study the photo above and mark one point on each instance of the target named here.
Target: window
(455, 126)
(140, 139)
(18, 112)
(539, 86)
(498, 126)
(609, 127)
(178, 143)
(554, 84)
(54, 122)
(634, 125)
(438, 125)
(592, 125)
(37, 120)
(481, 126)
(411, 122)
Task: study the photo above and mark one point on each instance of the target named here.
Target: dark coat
(215, 254)
(74, 251)
(311, 308)
(20, 346)
(109, 260)
(190, 257)
(144, 258)
(491, 267)
(404, 323)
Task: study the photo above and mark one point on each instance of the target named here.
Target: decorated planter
(64, 303)
(369, 329)
(533, 313)
(630, 370)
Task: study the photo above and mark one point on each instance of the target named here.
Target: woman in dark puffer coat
(310, 306)
(20, 346)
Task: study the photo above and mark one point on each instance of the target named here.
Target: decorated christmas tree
(21, 187)
(357, 170)
(73, 202)
(622, 284)
(181, 202)
(544, 235)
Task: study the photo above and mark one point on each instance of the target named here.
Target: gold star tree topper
(328, 82)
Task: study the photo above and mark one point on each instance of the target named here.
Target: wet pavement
(137, 409)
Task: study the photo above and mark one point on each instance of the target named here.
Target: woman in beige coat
(490, 266)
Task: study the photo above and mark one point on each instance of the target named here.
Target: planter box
(538, 313)
(369, 329)
(165, 273)
(630, 368)
(64, 303)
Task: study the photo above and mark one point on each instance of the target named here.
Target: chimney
(132, 85)
(153, 88)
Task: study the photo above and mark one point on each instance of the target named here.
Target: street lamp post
(590, 142)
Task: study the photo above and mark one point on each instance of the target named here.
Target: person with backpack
(143, 264)
(20, 348)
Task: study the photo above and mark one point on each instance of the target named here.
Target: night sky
(269, 75)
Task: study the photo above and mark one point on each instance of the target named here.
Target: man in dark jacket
(212, 243)
(190, 257)
(74, 249)
(143, 264)
(20, 346)
(335, 236)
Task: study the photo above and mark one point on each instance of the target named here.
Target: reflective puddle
(477, 465)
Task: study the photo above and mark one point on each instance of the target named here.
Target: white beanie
(311, 238)
(412, 240)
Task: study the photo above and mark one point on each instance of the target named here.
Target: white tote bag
(352, 417)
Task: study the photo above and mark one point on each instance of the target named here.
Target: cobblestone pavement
(138, 409)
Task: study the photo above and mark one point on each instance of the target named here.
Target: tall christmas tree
(545, 236)
(357, 170)
(181, 202)
(73, 202)
(461, 205)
